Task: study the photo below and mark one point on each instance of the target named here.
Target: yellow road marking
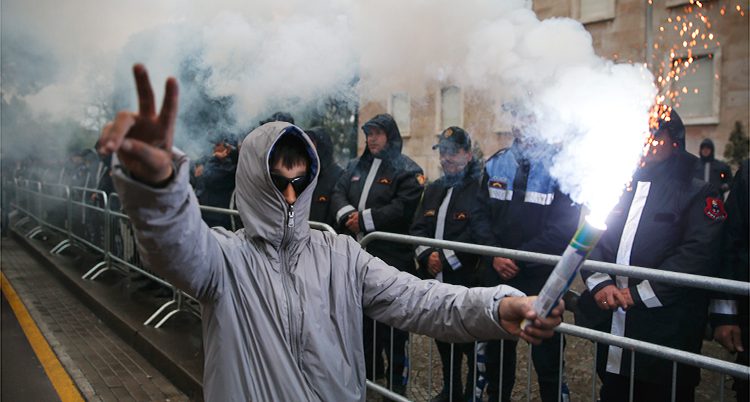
(60, 379)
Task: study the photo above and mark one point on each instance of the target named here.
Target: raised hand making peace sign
(143, 141)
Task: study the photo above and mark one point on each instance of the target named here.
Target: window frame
(607, 15)
(404, 129)
(439, 107)
(714, 116)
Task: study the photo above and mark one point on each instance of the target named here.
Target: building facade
(711, 94)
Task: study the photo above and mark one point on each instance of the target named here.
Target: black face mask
(299, 183)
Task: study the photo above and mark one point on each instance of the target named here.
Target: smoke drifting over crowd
(237, 61)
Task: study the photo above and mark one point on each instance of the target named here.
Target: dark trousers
(385, 337)
(546, 358)
(616, 388)
(452, 370)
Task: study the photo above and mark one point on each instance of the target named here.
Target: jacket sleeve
(446, 312)
(723, 307)
(562, 222)
(480, 217)
(697, 254)
(390, 217)
(171, 237)
(603, 251)
(423, 226)
(341, 208)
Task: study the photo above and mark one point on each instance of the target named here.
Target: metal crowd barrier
(94, 220)
(116, 242)
(675, 355)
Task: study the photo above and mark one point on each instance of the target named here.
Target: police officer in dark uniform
(520, 206)
(444, 215)
(330, 172)
(380, 191)
(729, 314)
(666, 220)
(214, 180)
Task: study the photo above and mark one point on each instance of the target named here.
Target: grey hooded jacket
(282, 304)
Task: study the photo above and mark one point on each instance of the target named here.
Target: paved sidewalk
(103, 366)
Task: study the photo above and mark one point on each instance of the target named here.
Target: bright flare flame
(595, 165)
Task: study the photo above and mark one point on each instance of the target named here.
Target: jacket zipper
(286, 277)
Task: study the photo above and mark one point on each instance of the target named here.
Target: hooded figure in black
(730, 314)
(666, 220)
(380, 191)
(711, 170)
(444, 215)
(214, 181)
(330, 171)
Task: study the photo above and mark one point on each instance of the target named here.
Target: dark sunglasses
(299, 183)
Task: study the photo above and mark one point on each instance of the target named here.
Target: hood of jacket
(707, 143)
(264, 212)
(323, 144)
(386, 123)
(679, 166)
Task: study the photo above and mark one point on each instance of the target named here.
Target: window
(675, 3)
(400, 108)
(698, 89)
(451, 107)
(595, 10)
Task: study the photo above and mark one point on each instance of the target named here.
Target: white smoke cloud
(250, 57)
(593, 111)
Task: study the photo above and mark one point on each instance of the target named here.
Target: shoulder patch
(323, 198)
(715, 209)
(429, 212)
(497, 184)
(384, 180)
(461, 216)
(421, 179)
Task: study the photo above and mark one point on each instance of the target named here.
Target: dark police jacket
(215, 187)
(458, 267)
(519, 206)
(668, 221)
(727, 309)
(385, 191)
(330, 172)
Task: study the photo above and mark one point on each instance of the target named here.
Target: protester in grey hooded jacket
(281, 303)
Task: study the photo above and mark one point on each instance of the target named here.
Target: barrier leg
(60, 247)
(94, 269)
(674, 381)
(101, 271)
(593, 372)
(166, 317)
(33, 232)
(159, 311)
(22, 221)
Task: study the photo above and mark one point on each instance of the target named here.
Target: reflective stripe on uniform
(368, 183)
(614, 355)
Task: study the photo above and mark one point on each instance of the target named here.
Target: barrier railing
(632, 345)
(40, 202)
